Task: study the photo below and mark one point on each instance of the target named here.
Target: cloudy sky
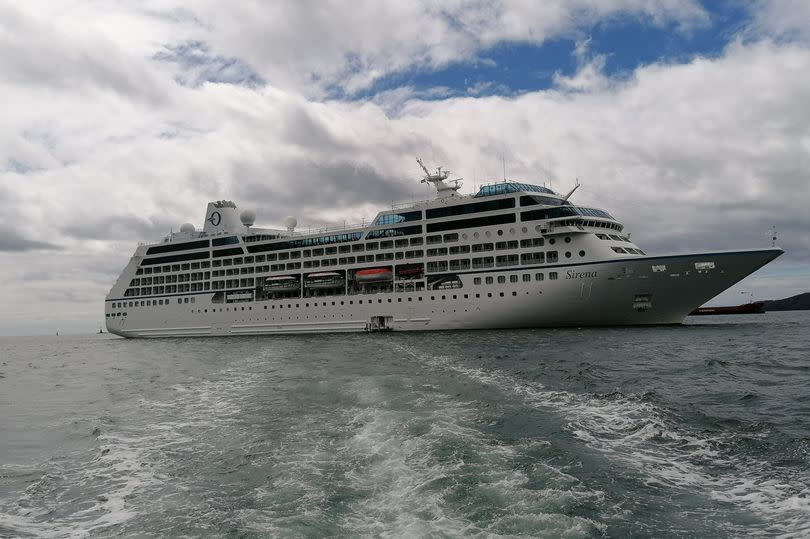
(689, 120)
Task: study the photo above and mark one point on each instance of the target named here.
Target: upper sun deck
(223, 220)
(506, 187)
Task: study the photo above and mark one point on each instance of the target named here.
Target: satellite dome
(290, 222)
(248, 217)
(187, 228)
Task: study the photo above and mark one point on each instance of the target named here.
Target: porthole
(464, 236)
(475, 235)
(512, 231)
(552, 241)
(537, 228)
(488, 233)
(567, 239)
(582, 253)
(568, 254)
(500, 232)
(524, 229)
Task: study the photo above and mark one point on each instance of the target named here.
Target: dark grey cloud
(118, 227)
(310, 187)
(299, 126)
(11, 242)
(198, 66)
(39, 54)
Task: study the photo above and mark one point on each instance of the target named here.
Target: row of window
(394, 232)
(526, 277)
(306, 242)
(175, 267)
(174, 247)
(531, 258)
(475, 207)
(369, 246)
(501, 279)
(175, 258)
(627, 250)
(473, 222)
(612, 237)
(454, 265)
(525, 259)
(510, 187)
(433, 213)
(169, 279)
(167, 289)
(562, 211)
(148, 303)
(401, 217)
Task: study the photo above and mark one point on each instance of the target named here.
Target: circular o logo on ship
(215, 218)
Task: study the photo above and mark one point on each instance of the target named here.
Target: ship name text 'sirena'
(513, 255)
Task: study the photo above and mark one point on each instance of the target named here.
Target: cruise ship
(512, 255)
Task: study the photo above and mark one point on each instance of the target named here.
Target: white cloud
(108, 148)
(782, 19)
(310, 47)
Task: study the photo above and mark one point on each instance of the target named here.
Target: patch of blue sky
(198, 66)
(510, 69)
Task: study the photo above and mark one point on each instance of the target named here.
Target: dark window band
(476, 207)
(534, 200)
(403, 217)
(228, 252)
(305, 242)
(177, 247)
(562, 211)
(393, 232)
(230, 240)
(174, 258)
(504, 218)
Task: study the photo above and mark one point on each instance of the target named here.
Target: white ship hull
(639, 290)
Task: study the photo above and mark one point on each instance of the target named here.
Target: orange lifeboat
(374, 275)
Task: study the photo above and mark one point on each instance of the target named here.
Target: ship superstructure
(511, 255)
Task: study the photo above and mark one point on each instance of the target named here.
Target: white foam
(409, 470)
(125, 466)
(639, 434)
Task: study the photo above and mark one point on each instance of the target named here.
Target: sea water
(699, 430)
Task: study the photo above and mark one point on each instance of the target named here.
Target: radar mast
(438, 180)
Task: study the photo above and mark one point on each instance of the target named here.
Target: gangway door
(380, 323)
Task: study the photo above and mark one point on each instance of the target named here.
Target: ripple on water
(634, 431)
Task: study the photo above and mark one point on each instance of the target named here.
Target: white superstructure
(513, 255)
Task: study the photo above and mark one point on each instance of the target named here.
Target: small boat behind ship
(755, 307)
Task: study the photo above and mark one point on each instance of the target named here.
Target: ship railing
(328, 228)
(398, 205)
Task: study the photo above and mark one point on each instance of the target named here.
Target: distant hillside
(800, 302)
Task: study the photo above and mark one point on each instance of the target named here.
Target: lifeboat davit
(324, 279)
(410, 271)
(374, 275)
(282, 283)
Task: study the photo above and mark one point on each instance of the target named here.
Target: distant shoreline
(799, 302)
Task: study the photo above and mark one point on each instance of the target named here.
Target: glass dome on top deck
(511, 187)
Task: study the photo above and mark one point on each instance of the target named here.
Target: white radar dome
(248, 217)
(290, 222)
(187, 227)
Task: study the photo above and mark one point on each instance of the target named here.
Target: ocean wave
(634, 430)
